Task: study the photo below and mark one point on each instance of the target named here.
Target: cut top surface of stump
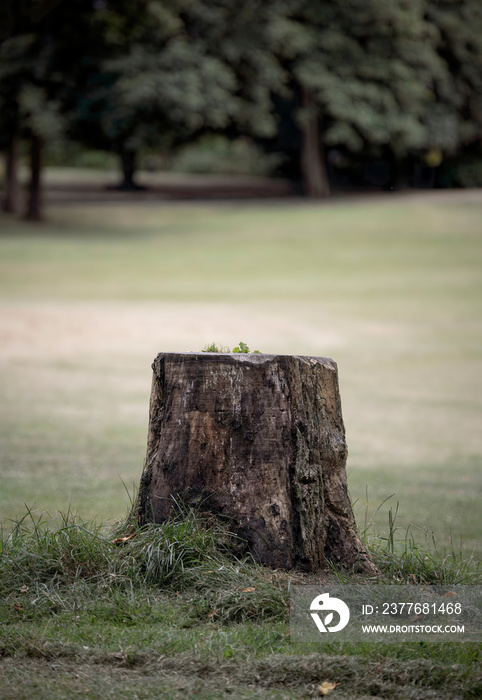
(258, 439)
(251, 357)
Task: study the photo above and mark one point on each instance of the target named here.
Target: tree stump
(258, 439)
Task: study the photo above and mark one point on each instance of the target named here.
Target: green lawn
(391, 289)
(169, 613)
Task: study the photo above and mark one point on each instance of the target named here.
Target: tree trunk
(10, 201)
(258, 439)
(129, 166)
(34, 206)
(313, 168)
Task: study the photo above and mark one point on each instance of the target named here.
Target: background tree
(15, 69)
(454, 117)
(398, 81)
(362, 72)
(177, 69)
(43, 54)
(100, 119)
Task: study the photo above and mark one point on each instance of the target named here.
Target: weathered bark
(10, 201)
(313, 168)
(258, 439)
(34, 205)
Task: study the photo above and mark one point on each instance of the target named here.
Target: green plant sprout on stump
(241, 348)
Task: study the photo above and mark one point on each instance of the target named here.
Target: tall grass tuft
(167, 553)
(402, 559)
(189, 553)
(42, 549)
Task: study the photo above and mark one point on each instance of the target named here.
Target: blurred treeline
(323, 92)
